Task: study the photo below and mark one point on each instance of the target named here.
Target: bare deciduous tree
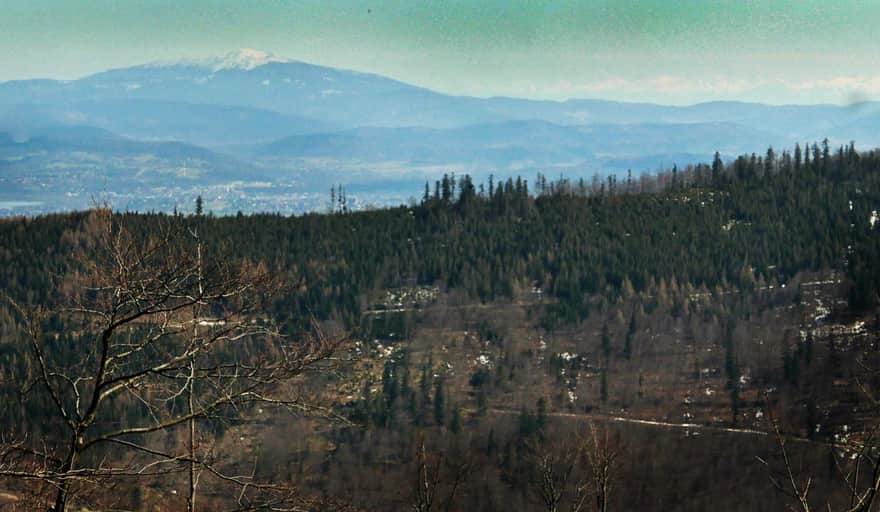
(169, 342)
(602, 452)
(568, 471)
(437, 480)
(554, 471)
(856, 462)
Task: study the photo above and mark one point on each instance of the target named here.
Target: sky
(664, 51)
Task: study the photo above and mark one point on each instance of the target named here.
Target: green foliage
(606, 341)
(455, 421)
(480, 377)
(603, 386)
(439, 404)
(630, 334)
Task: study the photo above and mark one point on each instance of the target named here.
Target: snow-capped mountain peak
(246, 59)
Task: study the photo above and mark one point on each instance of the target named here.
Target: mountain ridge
(253, 117)
(353, 98)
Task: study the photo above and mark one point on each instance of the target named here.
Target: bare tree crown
(172, 338)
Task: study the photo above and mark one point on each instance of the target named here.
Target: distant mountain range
(503, 144)
(251, 116)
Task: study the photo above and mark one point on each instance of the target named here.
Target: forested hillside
(755, 219)
(492, 337)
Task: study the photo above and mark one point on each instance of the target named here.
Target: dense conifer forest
(500, 337)
(755, 218)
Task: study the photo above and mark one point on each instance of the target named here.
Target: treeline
(756, 219)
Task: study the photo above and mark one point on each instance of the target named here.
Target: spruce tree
(439, 407)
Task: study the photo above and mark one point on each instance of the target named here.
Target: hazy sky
(657, 50)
